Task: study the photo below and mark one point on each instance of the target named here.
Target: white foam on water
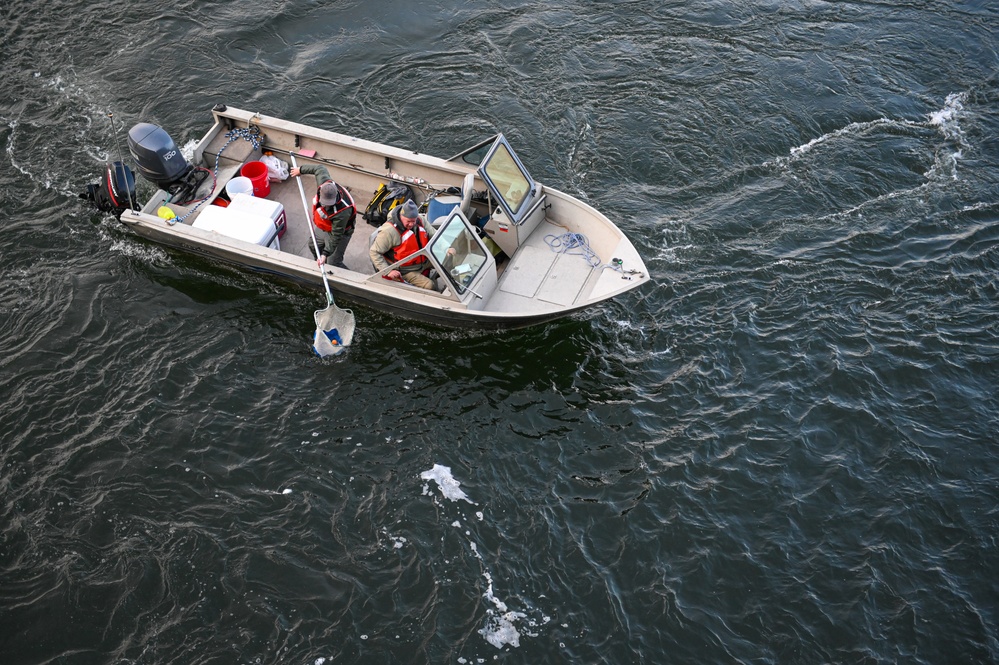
(858, 209)
(12, 124)
(674, 241)
(852, 128)
(503, 626)
(948, 122)
(88, 103)
(187, 150)
(500, 631)
(449, 487)
(125, 244)
(947, 117)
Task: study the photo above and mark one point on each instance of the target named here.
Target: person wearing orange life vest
(402, 235)
(333, 215)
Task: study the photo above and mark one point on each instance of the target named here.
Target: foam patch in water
(398, 542)
(449, 487)
(947, 121)
(502, 626)
(947, 117)
(499, 628)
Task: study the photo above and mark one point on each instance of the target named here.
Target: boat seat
(466, 193)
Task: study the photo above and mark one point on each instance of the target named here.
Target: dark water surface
(784, 450)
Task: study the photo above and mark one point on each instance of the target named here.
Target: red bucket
(257, 173)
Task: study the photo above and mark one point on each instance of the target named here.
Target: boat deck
(538, 274)
(297, 238)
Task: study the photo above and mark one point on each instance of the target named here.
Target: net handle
(308, 220)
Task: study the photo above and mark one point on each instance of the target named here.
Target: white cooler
(255, 228)
(258, 206)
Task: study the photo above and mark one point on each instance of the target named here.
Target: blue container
(441, 206)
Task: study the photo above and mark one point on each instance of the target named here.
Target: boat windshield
(507, 178)
(458, 251)
(474, 155)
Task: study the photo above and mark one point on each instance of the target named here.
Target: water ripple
(781, 450)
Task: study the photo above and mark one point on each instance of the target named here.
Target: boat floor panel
(540, 274)
(565, 280)
(524, 275)
(298, 239)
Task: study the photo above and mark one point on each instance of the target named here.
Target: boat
(524, 253)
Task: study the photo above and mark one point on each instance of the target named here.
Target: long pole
(308, 220)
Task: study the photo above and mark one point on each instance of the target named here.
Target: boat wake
(946, 121)
(80, 113)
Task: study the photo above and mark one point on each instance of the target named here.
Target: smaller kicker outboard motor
(159, 161)
(115, 192)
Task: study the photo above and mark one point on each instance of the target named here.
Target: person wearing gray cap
(333, 213)
(402, 235)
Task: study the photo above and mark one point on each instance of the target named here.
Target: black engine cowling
(159, 161)
(115, 193)
(156, 156)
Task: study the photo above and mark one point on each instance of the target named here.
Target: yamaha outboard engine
(159, 161)
(115, 192)
(156, 155)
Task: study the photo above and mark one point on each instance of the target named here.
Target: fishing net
(334, 326)
(334, 330)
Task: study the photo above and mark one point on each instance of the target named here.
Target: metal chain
(251, 134)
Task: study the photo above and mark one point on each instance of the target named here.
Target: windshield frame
(453, 231)
(501, 150)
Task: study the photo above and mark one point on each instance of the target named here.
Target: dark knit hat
(409, 210)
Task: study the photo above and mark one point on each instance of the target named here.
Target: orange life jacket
(412, 241)
(323, 219)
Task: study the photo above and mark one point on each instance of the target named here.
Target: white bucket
(239, 185)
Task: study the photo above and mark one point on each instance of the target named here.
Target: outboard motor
(156, 155)
(115, 193)
(159, 161)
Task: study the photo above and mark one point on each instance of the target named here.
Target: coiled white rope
(573, 243)
(577, 243)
